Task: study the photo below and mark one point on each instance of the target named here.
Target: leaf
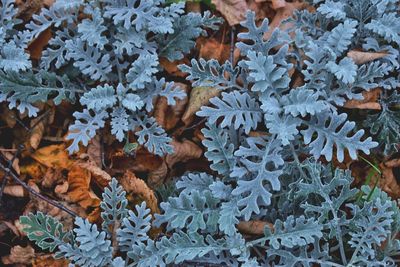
(85, 128)
(333, 10)
(53, 156)
(235, 108)
(90, 60)
(346, 70)
(340, 37)
(139, 191)
(44, 230)
(113, 206)
(134, 229)
(335, 129)
(219, 150)
(294, 232)
(79, 188)
(182, 246)
(262, 160)
(234, 11)
(199, 97)
(99, 98)
(192, 211)
(267, 76)
(387, 27)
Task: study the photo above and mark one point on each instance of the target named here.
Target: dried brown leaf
(169, 116)
(48, 260)
(79, 188)
(19, 255)
(15, 190)
(360, 57)
(183, 151)
(370, 100)
(234, 11)
(200, 96)
(139, 191)
(253, 227)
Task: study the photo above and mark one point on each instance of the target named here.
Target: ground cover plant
(273, 142)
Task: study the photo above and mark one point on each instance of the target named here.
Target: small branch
(232, 51)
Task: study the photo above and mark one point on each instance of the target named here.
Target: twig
(34, 193)
(232, 51)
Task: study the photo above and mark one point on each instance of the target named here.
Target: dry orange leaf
(100, 176)
(370, 100)
(138, 190)
(79, 188)
(48, 260)
(53, 156)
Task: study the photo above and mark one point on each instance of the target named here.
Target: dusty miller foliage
(319, 219)
(106, 52)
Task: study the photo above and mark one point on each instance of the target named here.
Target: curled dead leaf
(283, 11)
(234, 11)
(19, 255)
(360, 57)
(15, 191)
(138, 191)
(183, 151)
(169, 116)
(100, 176)
(53, 156)
(48, 260)
(79, 188)
(370, 100)
(200, 96)
(255, 227)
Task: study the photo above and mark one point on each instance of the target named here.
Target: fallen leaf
(200, 96)
(53, 156)
(94, 151)
(51, 177)
(15, 191)
(169, 116)
(19, 255)
(234, 11)
(8, 116)
(183, 151)
(370, 100)
(36, 47)
(172, 67)
(48, 260)
(79, 188)
(253, 227)
(101, 177)
(144, 161)
(282, 13)
(138, 190)
(35, 170)
(211, 48)
(360, 57)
